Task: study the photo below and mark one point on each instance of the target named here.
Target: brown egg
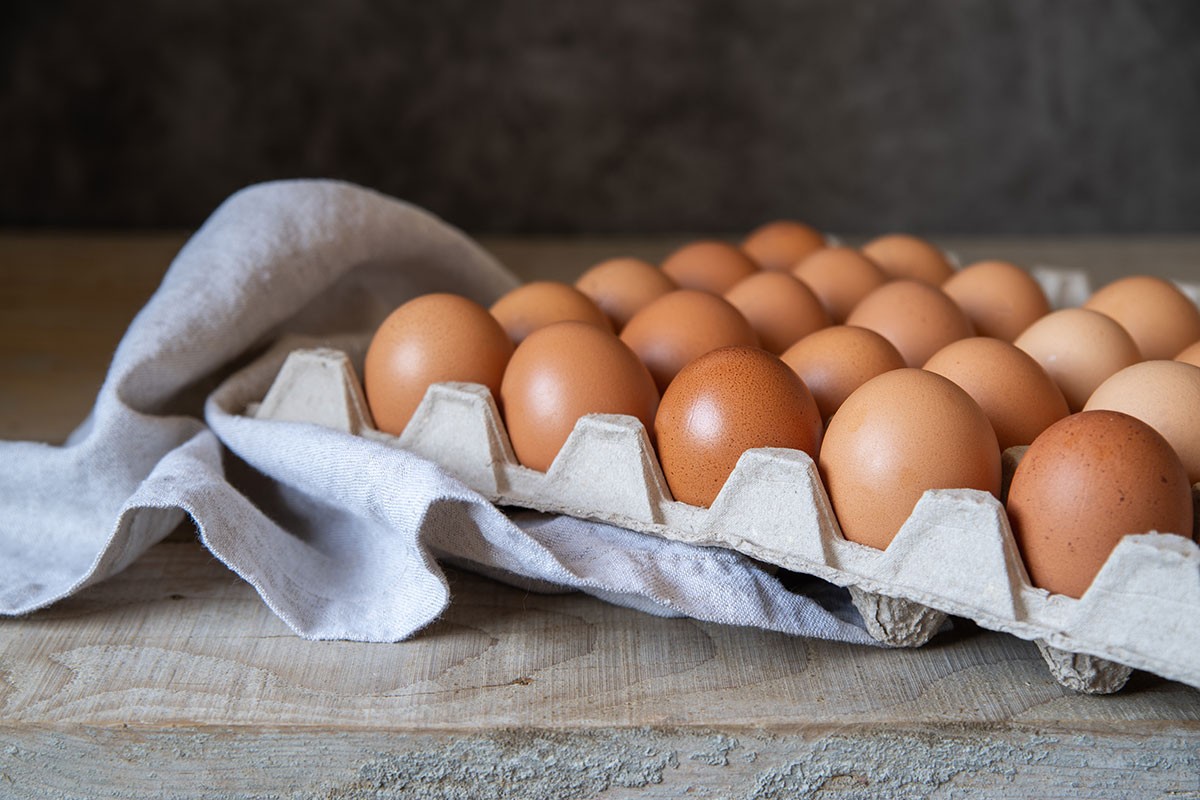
(724, 403)
(430, 339)
(781, 309)
(1079, 349)
(535, 305)
(1086, 482)
(897, 436)
(624, 286)
(708, 266)
(562, 372)
(840, 277)
(900, 255)
(833, 362)
(1016, 394)
(1160, 318)
(682, 326)
(777, 246)
(1190, 355)
(917, 318)
(999, 298)
(1166, 396)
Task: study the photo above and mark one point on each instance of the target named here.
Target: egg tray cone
(954, 555)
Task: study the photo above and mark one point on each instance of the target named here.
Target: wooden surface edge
(216, 762)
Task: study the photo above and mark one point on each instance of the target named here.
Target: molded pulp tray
(954, 555)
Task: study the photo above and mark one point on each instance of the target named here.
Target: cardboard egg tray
(954, 555)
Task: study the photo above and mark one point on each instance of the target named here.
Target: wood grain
(174, 679)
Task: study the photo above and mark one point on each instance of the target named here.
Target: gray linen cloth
(340, 536)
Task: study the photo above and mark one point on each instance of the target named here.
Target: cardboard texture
(954, 555)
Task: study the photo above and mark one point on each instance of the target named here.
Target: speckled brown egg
(778, 246)
(1016, 394)
(562, 372)
(624, 286)
(431, 339)
(1160, 318)
(682, 326)
(917, 318)
(901, 255)
(1079, 349)
(840, 277)
(835, 361)
(724, 403)
(708, 266)
(1166, 396)
(999, 298)
(1085, 483)
(535, 305)
(898, 435)
(781, 309)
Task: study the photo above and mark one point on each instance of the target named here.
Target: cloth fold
(341, 536)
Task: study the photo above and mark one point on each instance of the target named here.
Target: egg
(1079, 349)
(917, 318)
(1166, 396)
(726, 402)
(430, 339)
(534, 305)
(1160, 318)
(682, 326)
(561, 372)
(900, 255)
(777, 246)
(835, 361)
(1190, 354)
(897, 436)
(840, 277)
(1016, 394)
(708, 266)
(999, 298)
(1082, 485)
(781, 309)
(623, 286)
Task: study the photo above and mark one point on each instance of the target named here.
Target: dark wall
(532, 116)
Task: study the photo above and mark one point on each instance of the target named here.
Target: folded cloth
(339, 535)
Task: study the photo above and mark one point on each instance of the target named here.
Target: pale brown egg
(1190, 355)
(835, 361)
(1079, 349)
(562, 372)
(840, 277)
(1166, 396)
(681, 326)
(777, 246)
(430, 339)
(1016, 394)
(708, 266)
(781, 309)
(724, 403)
(624, 286)
(900, 255)
(1085, 483)
(1160, 318)
(999, 298)
(896, 436)
(917, 318)
(535, 305)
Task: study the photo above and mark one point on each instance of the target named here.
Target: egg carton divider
(954, 555)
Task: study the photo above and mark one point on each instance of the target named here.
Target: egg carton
(954, 555)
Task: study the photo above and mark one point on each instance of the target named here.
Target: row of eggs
(894, 371)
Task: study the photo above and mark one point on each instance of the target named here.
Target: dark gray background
(1031, 116)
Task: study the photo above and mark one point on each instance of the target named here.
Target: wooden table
(174, 679)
